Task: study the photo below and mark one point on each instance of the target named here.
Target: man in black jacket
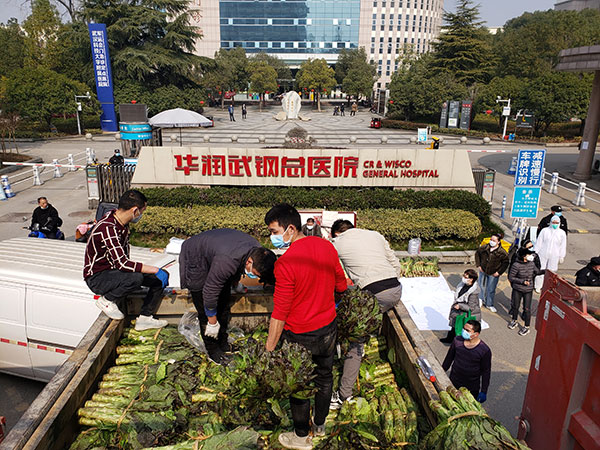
(211, 263)
(45, 218)
(545, 222)
(590, 274)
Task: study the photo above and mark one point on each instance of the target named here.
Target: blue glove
(482, 397)
(163, 276)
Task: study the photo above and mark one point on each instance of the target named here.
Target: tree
(316, 75)
(41, 28)
(505, 87)
(263, 79)
(12, 47)
(162, 98)
(284, 74)
(72, 55)
(359, 80)
(348, 59)
(151, 41)
(37, 93)
(464, 48)
(557, 97)
(229, 72)
(530, 44)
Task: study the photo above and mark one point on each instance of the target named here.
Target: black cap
(556, 208)
(595, 261)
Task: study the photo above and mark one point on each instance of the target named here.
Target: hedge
(426, 223)
(339, 199)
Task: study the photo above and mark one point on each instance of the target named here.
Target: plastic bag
(174, 246)
(189, 328)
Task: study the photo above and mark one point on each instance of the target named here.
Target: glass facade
(290, 26)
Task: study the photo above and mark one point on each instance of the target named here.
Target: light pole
(86, 96)
(499, 100)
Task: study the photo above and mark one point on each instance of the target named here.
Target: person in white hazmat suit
(551, 246)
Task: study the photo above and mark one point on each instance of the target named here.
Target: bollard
(413, 140)
(89, 136)
(503, 207)
(261, 139)
(463, 139)
(512, 170)
(553, 188)
(2, 194)
(234, 138)
(580, 198)
(37, 181)
(206, 138)
(353, 139)
(6, 188)
(384, 139)
(486, 140)
(57, 172)
(90, 156)
(71, 162)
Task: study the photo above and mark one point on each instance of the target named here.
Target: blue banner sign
(102, 73)
(136, 136)
(525, 203)
(134, 127)
(530, 168)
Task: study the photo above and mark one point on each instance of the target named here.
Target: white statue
(291, 105)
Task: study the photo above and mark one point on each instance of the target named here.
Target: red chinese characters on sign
(237, 164)
(267, 166)
(319, 166)
(292, 167)
(186, 163)
(214, 165)
(345, 166)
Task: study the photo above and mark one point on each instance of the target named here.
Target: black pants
(215, 347)
(115, 285)
(472, 385)
(515, 303)
(231, 118)
(321, 344)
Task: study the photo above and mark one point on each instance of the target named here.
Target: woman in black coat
(521, 276)
(466, 298)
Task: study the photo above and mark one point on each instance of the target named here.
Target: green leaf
(161, 372)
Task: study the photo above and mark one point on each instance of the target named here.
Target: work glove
(212, 331)
(561, 260)
(482, 397)
(163, 276)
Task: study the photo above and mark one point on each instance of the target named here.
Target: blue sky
(494, 12)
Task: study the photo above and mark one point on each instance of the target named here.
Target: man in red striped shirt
(307, 277)
(110, 273)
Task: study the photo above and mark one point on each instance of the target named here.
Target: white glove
(212, 331)
(561, 260)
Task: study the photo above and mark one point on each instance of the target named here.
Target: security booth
(134, 129)
(484, 182)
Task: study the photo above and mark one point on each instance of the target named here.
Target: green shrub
(426, 223)
(339, 199)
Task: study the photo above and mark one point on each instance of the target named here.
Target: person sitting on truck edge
(307, 276)
(471, 361)
(521, 276)
(590, 274)
(110, 273)
(45, 218)
(491, 261)
(210, 264)
(373, 266)
(466, 298)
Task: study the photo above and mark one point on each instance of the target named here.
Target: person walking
(521, 277)
(354, 109)
(210, 264)
(244, 111)
(307, 277)
(230, 109)
(491, 261)
(590, 274)
(109, 272)
(557, 211)
(342, 110)
(551, 245)
(45, 218)
(466, 299)
(373, 266)
(471, 361)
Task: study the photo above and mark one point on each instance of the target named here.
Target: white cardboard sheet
(428, 301)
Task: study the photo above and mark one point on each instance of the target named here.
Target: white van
(45, 306)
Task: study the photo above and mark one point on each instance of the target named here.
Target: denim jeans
(321, 344)
(487, 288)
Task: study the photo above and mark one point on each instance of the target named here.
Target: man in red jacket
(307, 277)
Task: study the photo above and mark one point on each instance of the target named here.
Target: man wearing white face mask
(551, 246)
(310, 228)
(491, 260)
(110, 273)
(210, 263)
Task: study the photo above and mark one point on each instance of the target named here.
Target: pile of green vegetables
(418, 266)
(358, 315)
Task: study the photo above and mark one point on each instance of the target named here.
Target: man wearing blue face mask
(471, 361)
(558, 212)
(210, 263)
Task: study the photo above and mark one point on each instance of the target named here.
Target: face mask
(465, 280)
(555, 226)
(310, 227)
(251, 275)
(137, 219)
(530, 257)
(493, 243)
(278, 241)
(558, 214)
(465, 335)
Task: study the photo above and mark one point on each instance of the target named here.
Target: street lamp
(504, 110)
(79, 108)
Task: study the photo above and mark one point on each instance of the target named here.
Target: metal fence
(114, 180)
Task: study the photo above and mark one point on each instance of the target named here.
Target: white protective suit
(551, 246)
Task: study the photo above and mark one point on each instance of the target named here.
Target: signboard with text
(453, 114)
(448, 168)
(525, 202)
(530, 167)
(465, 114)
(102, 73)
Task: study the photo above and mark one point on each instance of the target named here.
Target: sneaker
(512, 325)
(291, 440)
(524, 331)
(318, 430)
(109, 308)
(492, 309)
(336, 401)
(538, 291)
(149, 322)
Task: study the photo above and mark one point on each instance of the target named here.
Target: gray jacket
(213, 260)
(468, 301)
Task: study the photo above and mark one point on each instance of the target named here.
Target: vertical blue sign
(102, 72)
(530, 168)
